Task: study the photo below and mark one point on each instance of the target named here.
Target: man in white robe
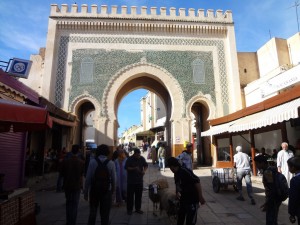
(282, 158)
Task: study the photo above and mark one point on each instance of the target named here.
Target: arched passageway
(154, 79)
(85, 112)
(200, 109)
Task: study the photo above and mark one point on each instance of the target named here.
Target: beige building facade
(152, 111)
(270, 79)
(278, 67)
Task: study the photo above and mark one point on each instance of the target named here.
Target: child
(272, 204)
(294, 193)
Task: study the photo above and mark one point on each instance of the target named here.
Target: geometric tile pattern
(60, 72)
(107, 63)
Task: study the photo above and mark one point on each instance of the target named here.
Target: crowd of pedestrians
(118, 180)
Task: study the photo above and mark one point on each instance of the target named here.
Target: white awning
(264, 118)
(268, 117)
(217, 129)
(160, 122)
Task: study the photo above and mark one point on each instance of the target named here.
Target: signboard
(19, 67)
(281, 81)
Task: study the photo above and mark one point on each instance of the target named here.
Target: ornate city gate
(97, 55)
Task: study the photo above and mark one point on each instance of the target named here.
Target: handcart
(222, 177)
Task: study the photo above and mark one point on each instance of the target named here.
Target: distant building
(153, 116)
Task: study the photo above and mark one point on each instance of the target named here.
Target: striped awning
(278, 114)
(219, 129)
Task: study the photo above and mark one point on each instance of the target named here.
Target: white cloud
(17, 38)
(23, 27)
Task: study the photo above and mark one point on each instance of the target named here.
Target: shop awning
(268, 117)
(145, 133)
(278, 114)
(219, 129)
(158, 128)
(63, 122)
(22, 117)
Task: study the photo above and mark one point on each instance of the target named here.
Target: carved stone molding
(163, 75)
(85, 98)
(205, 100)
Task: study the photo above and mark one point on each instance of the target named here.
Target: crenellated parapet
(172, 14)
(143, 20)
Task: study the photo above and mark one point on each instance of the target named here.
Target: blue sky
(24, 24)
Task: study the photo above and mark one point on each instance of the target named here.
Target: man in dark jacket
(136, 167)
(272, 203)
(188, 191)
(72, 170)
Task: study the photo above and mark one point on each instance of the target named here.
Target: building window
(198, 71)
(245, 70)
(86, 71)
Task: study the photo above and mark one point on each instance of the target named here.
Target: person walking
(136, 167)
(242, 164)
(153, 154)
(282, 158)
(185, 158)
(161, 154)
(294, 192)
(121, 190)
(71, 171)
(188, 191)
(270, 181)
(100, 184)
(61, 158)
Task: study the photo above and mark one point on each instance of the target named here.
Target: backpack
(102, 180)
(182, 158)
(281, 186)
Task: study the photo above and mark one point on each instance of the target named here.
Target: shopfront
(263, 125)
(19, 113)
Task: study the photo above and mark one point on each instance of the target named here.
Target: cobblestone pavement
(221, 208)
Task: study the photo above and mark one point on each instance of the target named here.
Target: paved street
(221, 208)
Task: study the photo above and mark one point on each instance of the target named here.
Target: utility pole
(296, 7)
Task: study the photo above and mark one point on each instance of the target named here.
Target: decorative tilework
(87, 70)
(198, 71)
(107, 63)
(60, 72)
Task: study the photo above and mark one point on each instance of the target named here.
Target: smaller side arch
(82, 99)
(205, 100)
(204, 109)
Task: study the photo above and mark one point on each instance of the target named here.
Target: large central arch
(148, 76)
